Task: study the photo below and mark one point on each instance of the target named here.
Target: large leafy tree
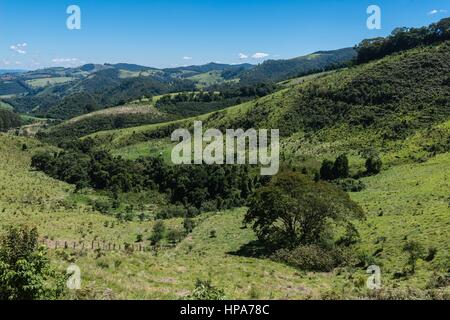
(293, 210)
(25, 271)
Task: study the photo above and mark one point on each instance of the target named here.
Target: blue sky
(165, 33)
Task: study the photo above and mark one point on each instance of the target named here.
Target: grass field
(45, 82)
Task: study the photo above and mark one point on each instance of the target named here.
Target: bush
(158, 233)
(102, 206)
(350, 185)
(204, 290)
(170, 212)
(373, 165)
(341, 167)
(25, 271)
(175, 236)
(188, 225)
(312, 258)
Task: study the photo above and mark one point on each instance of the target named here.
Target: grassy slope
(413, 199)
(415, 104)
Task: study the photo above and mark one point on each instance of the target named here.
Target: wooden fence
(103, 245)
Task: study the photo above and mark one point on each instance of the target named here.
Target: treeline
(198, 186)
(403, 39)
(70, 130)
(216, 98)
(8, 120)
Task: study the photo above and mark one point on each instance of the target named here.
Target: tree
(293, 210)
(25, 271)
(341, 167)
(415, 251)
(326, 171)
(373, 165)
(159, 230)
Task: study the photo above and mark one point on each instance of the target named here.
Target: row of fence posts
(93, 245)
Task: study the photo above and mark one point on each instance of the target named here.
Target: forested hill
(278, 70)
(395, 95)
(390, 98)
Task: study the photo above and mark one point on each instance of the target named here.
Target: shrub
(175, 236)
(170, 212)
(373, 165)
(102, 206)
(326, 171)
(341, 167)
(204, 290)
(312, 258)
(350, 185)
(25, 271)
(159, 231)
(415, 252)
(188, 225)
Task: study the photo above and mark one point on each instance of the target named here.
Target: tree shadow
(253, 249)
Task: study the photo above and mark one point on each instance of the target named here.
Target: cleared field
(45, 82)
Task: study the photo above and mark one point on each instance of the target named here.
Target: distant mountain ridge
(62, 93)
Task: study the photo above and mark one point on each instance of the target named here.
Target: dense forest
(208, 187)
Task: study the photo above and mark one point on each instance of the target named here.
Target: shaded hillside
(278, 70)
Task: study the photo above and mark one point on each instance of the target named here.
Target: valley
(364, 179)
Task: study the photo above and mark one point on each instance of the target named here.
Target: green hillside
(278, 70)
(408, 202)
(379, 104)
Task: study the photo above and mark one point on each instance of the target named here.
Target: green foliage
(191, 185)
(278, 70)
(415, 252)
(373, 165)
(8, 120)
(25, 271)
(338, 170)
(349, 185)
(188, 225)
(312, 257)
(326, 170)
(158, 232)
(292, 210)
(204, 290)
(341, 167)
(403, 39)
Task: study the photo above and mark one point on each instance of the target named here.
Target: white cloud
(260, 55)
(19, 48)
(187, 58)
(243, 56)
(67, 62)
(436, 11)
